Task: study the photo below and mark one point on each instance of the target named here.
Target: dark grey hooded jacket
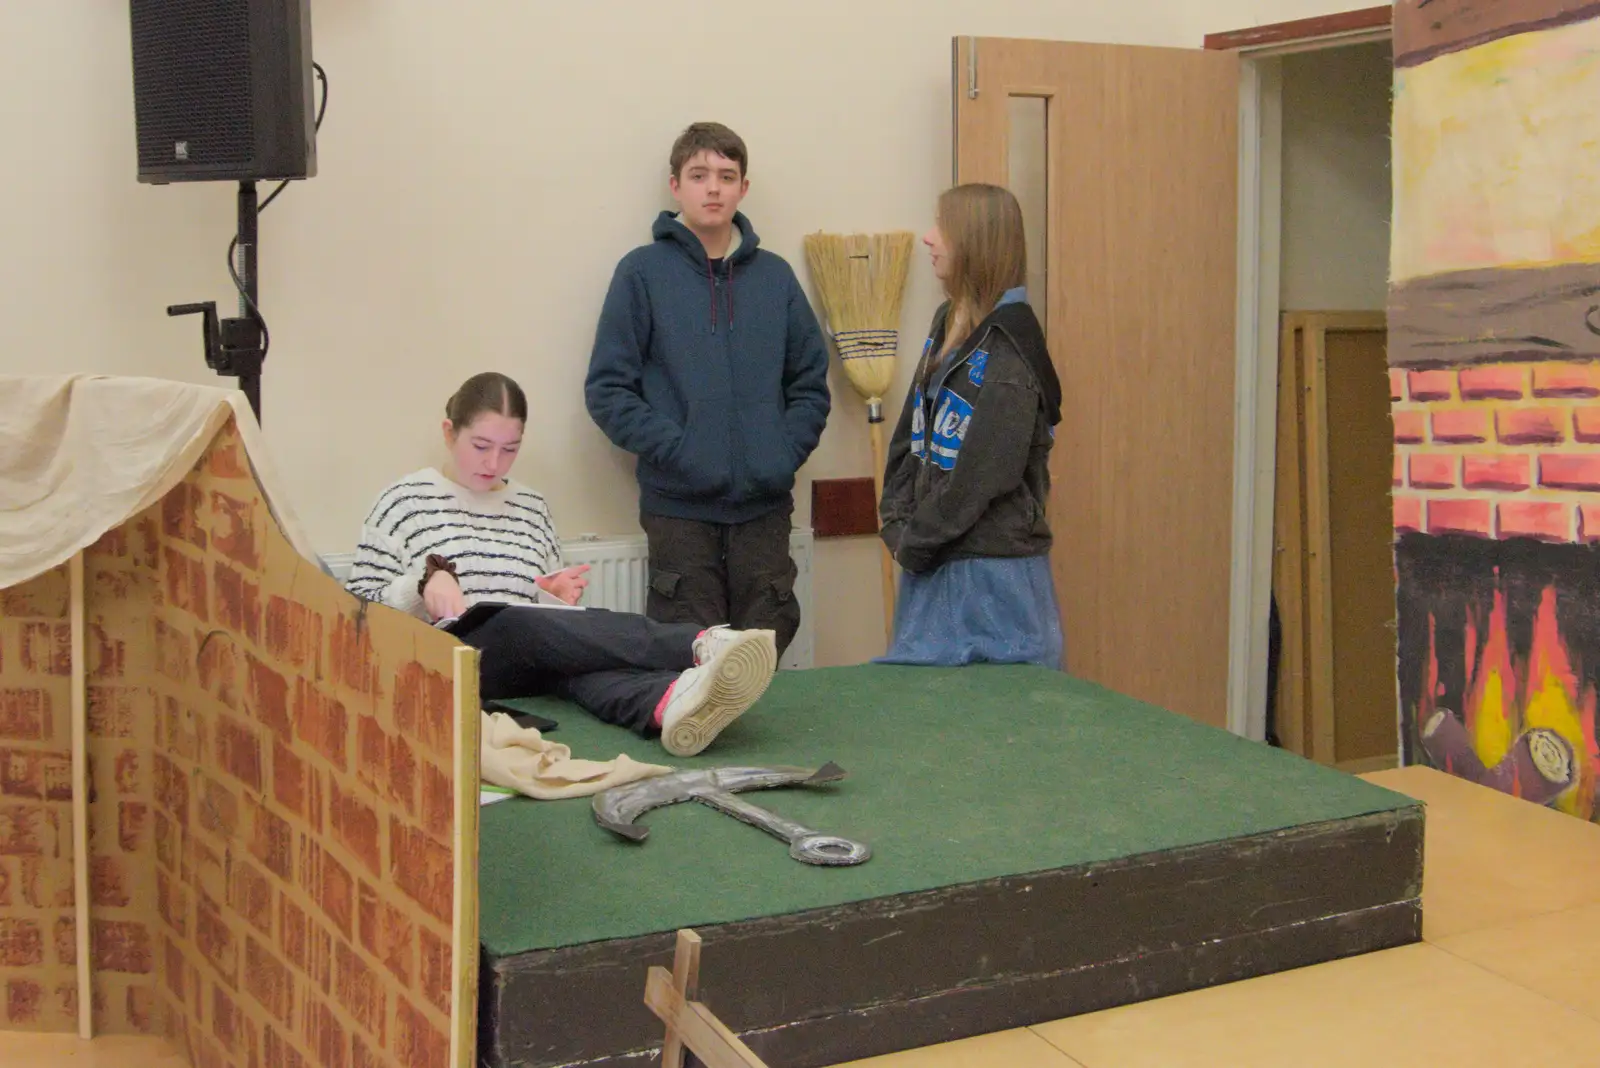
(968, 468)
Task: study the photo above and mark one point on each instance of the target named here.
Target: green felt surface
(954, 775)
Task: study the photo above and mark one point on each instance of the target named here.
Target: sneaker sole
(742, 673)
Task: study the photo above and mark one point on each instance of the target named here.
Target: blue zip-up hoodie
(716, 378)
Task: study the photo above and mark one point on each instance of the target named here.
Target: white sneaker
(733, 670)
(713, 640)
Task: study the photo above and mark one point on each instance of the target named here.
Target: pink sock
(661, 706)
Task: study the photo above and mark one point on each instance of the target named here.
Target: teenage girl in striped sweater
(437, 542)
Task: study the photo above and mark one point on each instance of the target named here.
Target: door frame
(1257, 335)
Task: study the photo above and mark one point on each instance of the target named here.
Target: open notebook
(488, 794)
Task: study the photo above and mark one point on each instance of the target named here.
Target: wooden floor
(1507, 975)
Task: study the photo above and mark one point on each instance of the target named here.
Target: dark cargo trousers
(735, 573)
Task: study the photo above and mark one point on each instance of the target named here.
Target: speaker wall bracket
(237, 347)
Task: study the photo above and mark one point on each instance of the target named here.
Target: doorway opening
(1315, 458)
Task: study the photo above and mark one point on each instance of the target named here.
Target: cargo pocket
(662, 604)
(783, 586)
(779, 608)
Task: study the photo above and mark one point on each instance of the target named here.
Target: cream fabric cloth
(520, 759)
(81, 454)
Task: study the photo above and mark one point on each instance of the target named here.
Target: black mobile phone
(521, 718)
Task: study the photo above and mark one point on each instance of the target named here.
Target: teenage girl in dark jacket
(967, 478)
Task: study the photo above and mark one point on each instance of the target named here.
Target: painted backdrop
(1494, 318)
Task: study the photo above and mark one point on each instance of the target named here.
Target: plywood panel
(38, 946)
(122, 588)
(1142, 180)
(1360, 544)
(304, 809)
(1320, 730)
(1288, 545)
(282, 811)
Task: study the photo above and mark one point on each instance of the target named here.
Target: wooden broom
(861, 279)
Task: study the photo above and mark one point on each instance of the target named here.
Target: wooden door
(1140, 173)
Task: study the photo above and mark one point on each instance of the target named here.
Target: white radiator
(619, 577)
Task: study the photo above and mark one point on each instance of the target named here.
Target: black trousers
(735, 573)
(615, 665)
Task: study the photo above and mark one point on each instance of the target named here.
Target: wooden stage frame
(901, 972)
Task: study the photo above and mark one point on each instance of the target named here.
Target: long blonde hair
(982, 228)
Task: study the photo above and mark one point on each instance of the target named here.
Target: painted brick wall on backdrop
(1498, 450)
(271, 810)
(37, 980)
(303, 813)
(1495, 355)
(120, 589)
(38, 931)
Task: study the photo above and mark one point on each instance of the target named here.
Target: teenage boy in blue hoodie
(710, 367)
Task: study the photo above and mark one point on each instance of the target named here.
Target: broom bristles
(861, 280)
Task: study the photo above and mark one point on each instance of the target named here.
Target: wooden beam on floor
(690, 1025)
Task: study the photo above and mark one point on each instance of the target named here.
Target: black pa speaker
(222, 90)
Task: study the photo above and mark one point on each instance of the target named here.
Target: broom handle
(884, 557)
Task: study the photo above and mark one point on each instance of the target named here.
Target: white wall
(483, 166)
(1336, 191)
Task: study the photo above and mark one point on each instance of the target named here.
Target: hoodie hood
(1014, 317)
(670, 230)
(668, 227)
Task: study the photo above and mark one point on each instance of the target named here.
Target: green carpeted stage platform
(1041, 847)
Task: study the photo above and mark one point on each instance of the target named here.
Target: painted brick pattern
(270, 768)
(38, 984)
(122, 576)
(1498, 451)
(297, 875)
(38, 960)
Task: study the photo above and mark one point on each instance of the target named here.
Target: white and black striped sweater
(499, 541)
